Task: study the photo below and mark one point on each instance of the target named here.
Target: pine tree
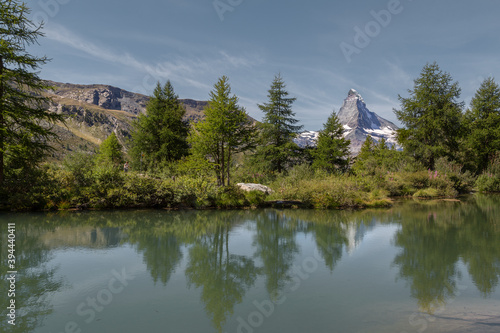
(225, 131)
(278, 128)
(160, 135)
(24, 130)
(332, 149)
(110, 150)
(432, 117)
(482, 123)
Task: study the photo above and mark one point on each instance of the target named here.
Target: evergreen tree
(110, 150)
(432, 117)
(376, 158)
(332, 149)
(24, 133)
(482, 123)
(362, 160)
(278, 128)
(225, 131)
(160, 135)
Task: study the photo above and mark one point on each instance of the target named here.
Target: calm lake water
(418, 267)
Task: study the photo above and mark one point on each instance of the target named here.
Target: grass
(427, 193)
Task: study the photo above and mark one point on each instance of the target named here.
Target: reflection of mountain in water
(355, 233)
(82, 236)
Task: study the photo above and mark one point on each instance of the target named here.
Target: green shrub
(417, 180)
(255, 198)
(488, 182)
(80, 165)
(106, 175)
(230, 197)
(427, 193)
(378, 203)
(460, 181)
(64, 205)
(325, 193)
(199, 192)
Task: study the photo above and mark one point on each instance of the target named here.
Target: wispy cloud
(189, 70)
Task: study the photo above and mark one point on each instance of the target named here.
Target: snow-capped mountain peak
(358, 122)
(354, 94)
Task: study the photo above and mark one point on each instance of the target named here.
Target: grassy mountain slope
(93, 112)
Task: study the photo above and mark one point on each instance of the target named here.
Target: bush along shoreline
(81, 183)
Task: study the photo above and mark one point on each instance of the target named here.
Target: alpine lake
(420, 266)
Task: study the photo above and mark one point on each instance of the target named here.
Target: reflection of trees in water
(436, 235)
(428, 259)
(35, 281)
(432, 239)
(330, 231)
(223, 277)
(161, 254)
(480, 236)
(276, 247)
(335, 231)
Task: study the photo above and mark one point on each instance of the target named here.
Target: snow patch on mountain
(307, 139)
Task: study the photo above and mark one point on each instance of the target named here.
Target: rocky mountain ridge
(359, 122)
(94, 111)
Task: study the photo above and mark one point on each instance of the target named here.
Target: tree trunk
(222, 164)
(228, 163)
(2, 121)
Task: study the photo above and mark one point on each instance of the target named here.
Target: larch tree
(225, 131)
(110, 150)
(25, 122)
(482, 126)
(432, 117)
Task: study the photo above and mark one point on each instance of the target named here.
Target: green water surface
(429, 266)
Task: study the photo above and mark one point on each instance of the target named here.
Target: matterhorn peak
(359, 122)
(354, 94)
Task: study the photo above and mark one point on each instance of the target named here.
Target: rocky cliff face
(95, 111)
(107, 97)
(358, 122)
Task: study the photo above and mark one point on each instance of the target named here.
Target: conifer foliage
(482, 125)
(278, 128)
(110, 150)
(160, 135)
(432, 117)
(332, 150)
(25, 133)
(225, 131)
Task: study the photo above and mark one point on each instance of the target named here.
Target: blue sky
(316, 45)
